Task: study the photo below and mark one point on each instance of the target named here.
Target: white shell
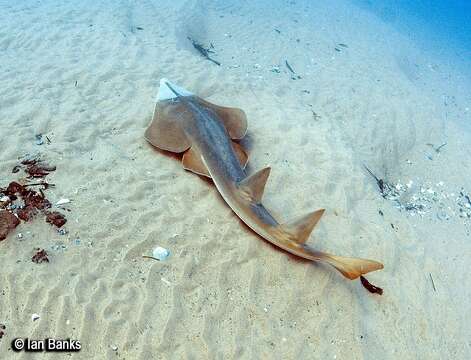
(63, 201)
(160, 253)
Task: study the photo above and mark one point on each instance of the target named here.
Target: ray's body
(206, 130)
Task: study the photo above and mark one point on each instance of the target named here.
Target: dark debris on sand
(204, 52)
(21, 202)
(370, 287)
(40, 256)
(55, 218)
(8, 222)
(37, 168)
(294, 76)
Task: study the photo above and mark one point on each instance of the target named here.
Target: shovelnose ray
(205, 132)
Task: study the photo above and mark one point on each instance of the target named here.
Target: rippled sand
(86, 75)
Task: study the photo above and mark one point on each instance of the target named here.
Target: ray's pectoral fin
(241, 154)
(192, 160)
(234, 119)
(165, 131)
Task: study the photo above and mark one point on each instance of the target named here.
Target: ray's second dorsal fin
(300, 229)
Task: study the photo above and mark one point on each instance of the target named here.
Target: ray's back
(209, 135)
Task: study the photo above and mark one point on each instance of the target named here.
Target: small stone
(160, 253)
(35, 317)
(114, 348)
(63, 201)
(39, 139)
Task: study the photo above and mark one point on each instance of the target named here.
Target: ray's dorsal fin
(254, 185)
(193, 162)
(300, 229)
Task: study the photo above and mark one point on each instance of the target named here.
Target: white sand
(224, 292)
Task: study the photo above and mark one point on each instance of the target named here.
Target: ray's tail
(299, 231)
(352, 268)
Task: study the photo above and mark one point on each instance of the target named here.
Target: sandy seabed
(86, 76)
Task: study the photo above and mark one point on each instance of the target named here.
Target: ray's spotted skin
(205, 132)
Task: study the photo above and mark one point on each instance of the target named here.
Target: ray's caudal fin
(352, 268)
(205, 134)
